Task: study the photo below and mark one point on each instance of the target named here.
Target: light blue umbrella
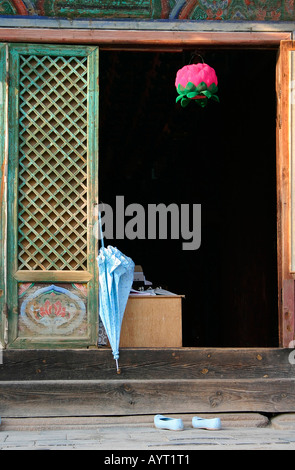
(116, 272)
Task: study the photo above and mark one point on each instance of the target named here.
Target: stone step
(229, 420)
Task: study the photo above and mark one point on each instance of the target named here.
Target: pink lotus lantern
(196, 82)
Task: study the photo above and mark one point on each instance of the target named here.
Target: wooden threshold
(187, 380)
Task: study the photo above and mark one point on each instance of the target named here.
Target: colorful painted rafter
(227, 10)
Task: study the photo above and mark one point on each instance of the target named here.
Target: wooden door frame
(284, 189)
(175, 40)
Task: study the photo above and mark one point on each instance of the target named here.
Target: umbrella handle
(100, 229)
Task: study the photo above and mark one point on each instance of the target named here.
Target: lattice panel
(52, 216)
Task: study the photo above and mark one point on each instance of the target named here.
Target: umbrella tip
(118, 368)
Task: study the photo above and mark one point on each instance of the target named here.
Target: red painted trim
(165, 9)
(187, 9)
(20, 7)
(40, 7)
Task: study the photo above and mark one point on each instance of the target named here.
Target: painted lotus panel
(52, 309)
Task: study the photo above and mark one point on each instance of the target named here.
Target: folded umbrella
(116, 273)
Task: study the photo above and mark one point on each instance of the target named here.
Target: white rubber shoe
(203, 423)
(162, 422)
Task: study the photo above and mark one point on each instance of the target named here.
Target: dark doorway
(222, 157)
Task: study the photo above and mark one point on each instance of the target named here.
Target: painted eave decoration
(227, 10)
(196, 82)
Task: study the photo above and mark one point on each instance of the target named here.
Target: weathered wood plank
(109, 397)
(147, 364)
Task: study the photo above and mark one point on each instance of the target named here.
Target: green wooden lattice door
(52, 192)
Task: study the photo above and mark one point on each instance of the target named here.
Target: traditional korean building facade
(88, 112)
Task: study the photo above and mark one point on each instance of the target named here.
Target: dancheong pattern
(227, 10)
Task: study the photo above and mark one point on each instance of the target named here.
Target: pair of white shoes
(176, 424)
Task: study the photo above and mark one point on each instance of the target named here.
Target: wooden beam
(146, 364)
(114, 397)
(142, 38)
